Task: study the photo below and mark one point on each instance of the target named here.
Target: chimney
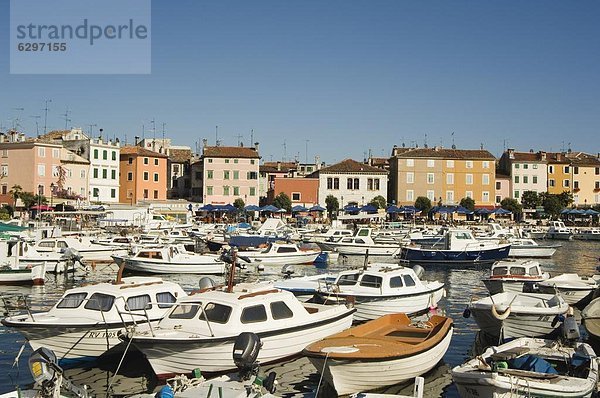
(542, 155)
(511, 153)
(204, 142)
(256, 146)
(2, 137)
(278, 165)
(136, 140)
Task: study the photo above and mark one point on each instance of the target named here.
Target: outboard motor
(419, 271)
(287, 271)
(245, 352)
(530, 287)
(570, 330)
(206, 283)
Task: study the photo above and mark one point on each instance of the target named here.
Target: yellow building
(441, 174)
(585, 172)
(559, 173)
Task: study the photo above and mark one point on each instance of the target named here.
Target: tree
(28, 199)
(553, 205)
(4, 214)
(283, 201)
(530, 200)
(423, 203)
(511, 205)
(566, 198)
(378, 202)
(15, 192)
(332, 205)
(239, 204)
(468, 203)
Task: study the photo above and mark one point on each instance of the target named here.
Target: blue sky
(348, 76)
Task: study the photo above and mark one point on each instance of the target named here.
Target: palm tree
(15, 192)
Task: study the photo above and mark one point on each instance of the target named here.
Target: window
(252, 191)
(469, 179)
(130, 176)
(137, 303)
(410, 177)
(280, 310)
(409, 281)
(104, 173)
(410, 162)
(485, 196)
(4, 189)
(371, 281)
(575, 184)
(396, 282)
(55, 153)
(336, 183)
(498, 198)
(525, 179)
(517, 166)
(517, 194)
(155, 161)
(329, 183)
(209, 190)
(252, 175)
(597, 170)
(296, 196)
(469, 194)
(550, 169)
(430, 178)
(41, 170)
(114, 155)
(42, 152)
(226, 175)
(597, 185)
(235, 161)
(534, 179)
(431, 195)
(525, 166)
(130, 160)
(226, 160)
(575, 170)
(105, 155)
(376, 185)
(5, 153)
(155, 194)
(430, 163)
(498, 185)
(485, 164)
(356, 183)
(145, 194)
(226, 190)
(155, 177)
(566, 169)
(165, 299)
(256, 313)
(82, 174)
(72, 300)
(113, 193)
(251, 161)
(565, 183)
(449, 197)
(113, 174)
(534, 166)
(348, 279)
(450, 178)
(450, 164)
(184, 311)
(210, 160)
(236, 191)
(95, 154)
(146, 176)
(410, 195)
(96, 192)
(100, 302)
(349, 183)
(146, 161)
(236, 175)
(209, 174)
(215, 312)
(485, 179)
(517, 179)
(469, 164)
(551, 183)
(4, 170)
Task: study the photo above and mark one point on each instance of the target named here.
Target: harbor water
(297, 377)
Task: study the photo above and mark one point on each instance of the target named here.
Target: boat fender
(165, 392)
(557, 319)
(350, 301)
(500, 316)
(467, 313)
(269, 383)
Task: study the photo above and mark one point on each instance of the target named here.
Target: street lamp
(52, 186)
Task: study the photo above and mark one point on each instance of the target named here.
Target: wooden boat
(382, 352)
(529, 367)
(576, 290)
(381, 288)
(511, 315)
(514, 276)
(22, 274)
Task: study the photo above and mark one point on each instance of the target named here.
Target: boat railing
(14, 304)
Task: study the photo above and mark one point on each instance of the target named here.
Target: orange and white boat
(352, 361)
(514, 276)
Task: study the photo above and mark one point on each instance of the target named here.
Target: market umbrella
(369, 209)
(317, 208)
(270, 208)
(392, 209)
(483, 211)
(298, 208)
(251, 208)
(591, 212)
(501, 211)
(207, 207)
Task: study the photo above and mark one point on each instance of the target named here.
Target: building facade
(585, 169)
(528, 171)
(301, 190)
(143, 175)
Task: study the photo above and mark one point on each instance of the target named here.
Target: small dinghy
(382, 352)
(529, 367)
(514, 276)
(512, 315)
(590, 317)
(576, 290)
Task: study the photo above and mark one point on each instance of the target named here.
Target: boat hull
(35, 275)
(495, 286)
(531, 252)
(518, 324)
(170, 356)
(480, 256)
(351, 376)
(212, 268)
(571, 296)
(559, 235)
(303, 258)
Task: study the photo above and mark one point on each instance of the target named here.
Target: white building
(351, 182)
(527, 170)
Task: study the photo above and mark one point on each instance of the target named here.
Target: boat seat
(509, 354)
(526, 373)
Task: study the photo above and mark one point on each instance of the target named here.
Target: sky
(337, 79)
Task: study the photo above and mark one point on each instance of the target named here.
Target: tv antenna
(37, 124)
(46, 109)
(66, 115)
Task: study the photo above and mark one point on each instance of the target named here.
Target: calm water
(297, 377)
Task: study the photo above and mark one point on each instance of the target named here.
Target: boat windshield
(348, 279)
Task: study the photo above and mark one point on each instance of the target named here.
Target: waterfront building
(528, 171)
(351, 182)
(445, 175)
(585, 171)
(268, 172)
(301, 190)
(143, 175)
(502, 187)
(559, 173)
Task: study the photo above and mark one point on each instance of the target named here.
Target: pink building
(502, 187)
(229, 173)
(29, 163)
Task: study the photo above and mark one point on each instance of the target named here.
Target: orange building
(302, 191)
(143, 175)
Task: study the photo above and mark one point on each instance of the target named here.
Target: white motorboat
(86, 321)
(590, 317)
(533, 232)
(330, 234)
(587, 234)
(362, 243)
(511, 315)
(279, 253)
(526, 247)
(381, 352)
(575, 289)
(304, 287)
(199, 332)
(22, 274)
(20, 254)
(88, 250)
(514, 276)
(173, 259)
(558, 230)
(382, 289)
(528, 367)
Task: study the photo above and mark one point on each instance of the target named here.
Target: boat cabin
(512, 269)
(383, 278)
